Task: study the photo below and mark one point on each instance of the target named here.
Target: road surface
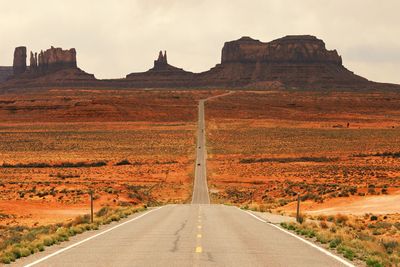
(200, 188)
(198, 234)
(193, 235)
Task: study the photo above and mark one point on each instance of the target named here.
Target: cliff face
(289, 49)
(52, 59)
(19, 63)
(295, 61)
(52, 67)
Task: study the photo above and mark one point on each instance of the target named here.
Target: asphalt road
(200, 188)
(198, 234)
(193, 235)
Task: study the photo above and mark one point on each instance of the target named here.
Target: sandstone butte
(296, 61)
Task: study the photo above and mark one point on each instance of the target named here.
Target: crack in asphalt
(178, 237)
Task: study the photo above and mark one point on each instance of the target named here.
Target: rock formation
(161, 75)
(53, 66)
(295, 61)
(19, 65)
(53, 59)
(289, 49)
(161, 62)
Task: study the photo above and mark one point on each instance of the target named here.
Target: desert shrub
(123, 162)
(341, 219)
(330, 218)
(335, 242)
(373, 263)
(323, 237)
(323, 225)
(5, 259)
(287, 160)
(61, 165)
(374, 218)
(103, 211)
(347, 252)
(48, 241)
(390, 245)
(81, 219)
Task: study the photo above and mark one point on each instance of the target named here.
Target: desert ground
(340, 151)
(130, 147)
(331, 148)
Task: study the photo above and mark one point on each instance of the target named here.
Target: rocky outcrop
(161, 63)
(52, 60)
(292, 61)
(289, 49)
(161, 75)
(295, 61)
(52, 67)
(19, 64)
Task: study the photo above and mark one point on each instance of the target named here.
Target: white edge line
(304, 240)
(89, 238)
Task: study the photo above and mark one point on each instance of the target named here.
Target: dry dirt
(265, 147)
(130, 147)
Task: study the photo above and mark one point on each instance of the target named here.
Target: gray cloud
(114, 38)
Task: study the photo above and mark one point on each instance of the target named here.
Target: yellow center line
(198, 235)
(199, 249)
(199, 226)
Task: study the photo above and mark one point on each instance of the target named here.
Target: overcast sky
(114, 38)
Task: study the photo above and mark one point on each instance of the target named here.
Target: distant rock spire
(33, 61)
(19, 64)
(160, 56)
(161, 62)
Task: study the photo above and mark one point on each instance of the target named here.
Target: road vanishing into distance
(200, 188)
(197, 234)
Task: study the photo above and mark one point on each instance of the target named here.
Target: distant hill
(5, 72)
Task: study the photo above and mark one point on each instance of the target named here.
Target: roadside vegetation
(21, 241)
(61, 165)
(373, 239)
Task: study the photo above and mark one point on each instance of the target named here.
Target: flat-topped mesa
(53, 59)
(53, 67)
(19, 64)
(295, 61)
(305, 49)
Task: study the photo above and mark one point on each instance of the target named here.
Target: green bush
(48, 241)
(25, 252)
(347, 252)
(5, 259)
(373, 263)
(335, 242)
